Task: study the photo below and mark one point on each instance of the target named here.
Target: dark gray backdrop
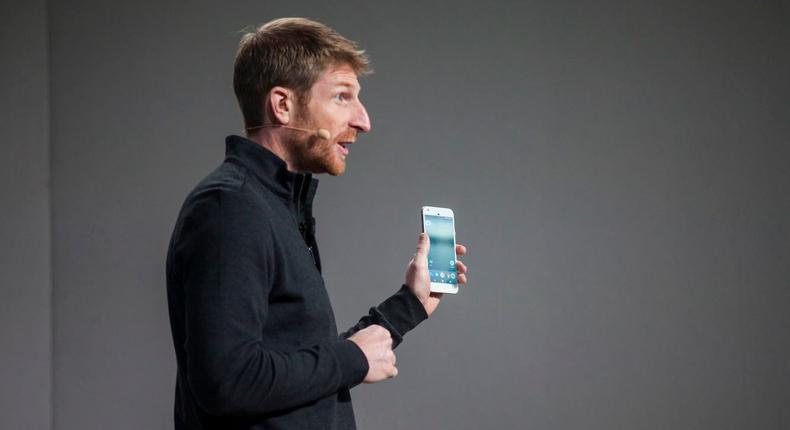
(25, 270)
(619, 171)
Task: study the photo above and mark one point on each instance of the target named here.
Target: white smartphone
(439, 224)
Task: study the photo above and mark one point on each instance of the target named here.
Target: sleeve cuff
(353, 363)
(402, 311)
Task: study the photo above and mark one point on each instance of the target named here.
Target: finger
(462, 279)
(460, 249)
(394, 372)
(423, 246)
(461, 267)
(393, 358)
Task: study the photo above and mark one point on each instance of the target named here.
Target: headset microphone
(323, 133)
(320, 133)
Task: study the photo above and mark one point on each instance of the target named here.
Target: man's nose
(361, 121)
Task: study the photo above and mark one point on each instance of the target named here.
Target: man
(254, 333)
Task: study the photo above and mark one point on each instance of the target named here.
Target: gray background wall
(619, 172)
(25, 311)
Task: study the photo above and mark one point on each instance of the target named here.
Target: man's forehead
(343, 76)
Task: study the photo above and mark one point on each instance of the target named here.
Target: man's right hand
(375, 341)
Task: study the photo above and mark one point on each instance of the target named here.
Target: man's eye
(341, 97)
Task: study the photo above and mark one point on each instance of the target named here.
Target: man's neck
(275, 144)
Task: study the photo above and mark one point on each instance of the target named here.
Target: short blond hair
(292, 53)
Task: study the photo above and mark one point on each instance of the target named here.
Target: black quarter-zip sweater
(255, 336)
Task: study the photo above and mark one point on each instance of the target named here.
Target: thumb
(423, 246)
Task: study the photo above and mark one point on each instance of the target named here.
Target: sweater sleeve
(399, 314)
(224, 259)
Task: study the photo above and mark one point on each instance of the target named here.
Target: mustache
(347, 136)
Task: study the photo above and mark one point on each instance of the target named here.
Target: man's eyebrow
(345, 84)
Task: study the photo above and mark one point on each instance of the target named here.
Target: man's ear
(280, 103)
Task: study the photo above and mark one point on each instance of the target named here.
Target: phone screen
(441, 257)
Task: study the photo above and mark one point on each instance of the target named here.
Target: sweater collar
(273, 172)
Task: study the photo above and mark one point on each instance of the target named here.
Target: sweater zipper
(301, 179)
(299, 186)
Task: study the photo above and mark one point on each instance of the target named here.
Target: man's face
(333, 105)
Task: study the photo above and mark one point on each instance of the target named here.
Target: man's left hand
(419, 280)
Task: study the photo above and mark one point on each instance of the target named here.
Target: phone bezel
(441, 287)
